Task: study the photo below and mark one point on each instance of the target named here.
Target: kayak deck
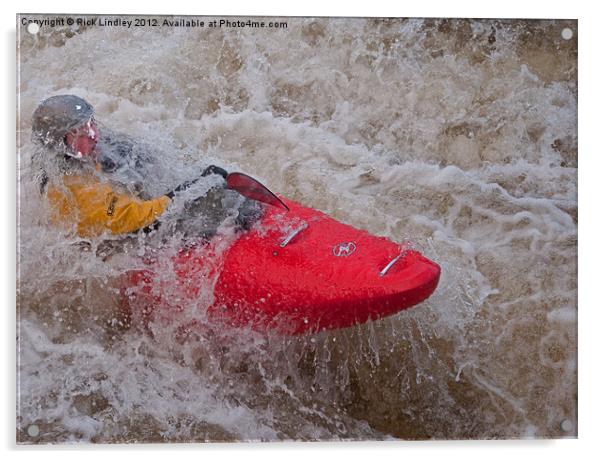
(304, 272)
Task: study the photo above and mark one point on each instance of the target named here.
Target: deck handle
(390, 265)
(292, 234)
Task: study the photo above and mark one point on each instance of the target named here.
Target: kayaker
(76, 175)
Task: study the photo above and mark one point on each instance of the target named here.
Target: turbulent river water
(458, 135)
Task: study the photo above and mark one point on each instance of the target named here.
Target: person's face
(82, 141)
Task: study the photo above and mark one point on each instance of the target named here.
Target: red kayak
(296, 271)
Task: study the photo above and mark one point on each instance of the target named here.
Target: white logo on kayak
(344, 249)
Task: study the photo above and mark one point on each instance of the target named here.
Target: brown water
(460, 135)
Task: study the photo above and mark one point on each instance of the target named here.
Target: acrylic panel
(275, 228)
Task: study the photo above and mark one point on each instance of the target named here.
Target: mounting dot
(566, 425)
(567, 33)
(33, 28)
(33, 430)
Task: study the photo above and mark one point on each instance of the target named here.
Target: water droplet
(567, 33)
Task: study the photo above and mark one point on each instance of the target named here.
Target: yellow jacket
(96, 208)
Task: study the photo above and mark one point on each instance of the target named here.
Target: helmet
(57, 116)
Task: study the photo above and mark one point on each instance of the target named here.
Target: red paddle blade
(252, 189)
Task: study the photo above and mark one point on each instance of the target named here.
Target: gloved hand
(248, 213)
(215, 170)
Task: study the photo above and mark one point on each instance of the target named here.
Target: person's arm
(100, 209)
(126, 214)
(208, 171)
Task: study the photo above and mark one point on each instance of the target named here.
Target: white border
(589, 171)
